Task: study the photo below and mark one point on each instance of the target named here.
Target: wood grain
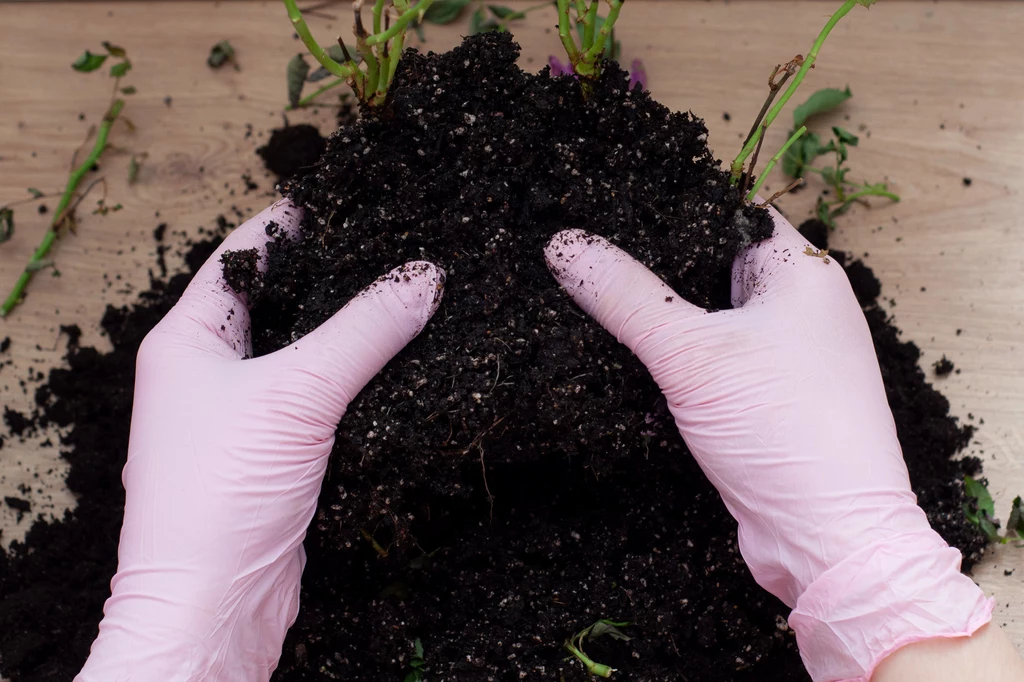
(937, 91)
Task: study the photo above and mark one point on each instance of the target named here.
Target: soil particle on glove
(514, 475)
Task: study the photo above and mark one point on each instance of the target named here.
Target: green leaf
(845, 136)
(35, 192)
(607, 627)
(506, 13)
(88, 62)
(120, 69)
(446, 11)
(818, 103)
(6, 224)
(297, 71)
(220, 54)
(114, 50)
(1015, 526)
(800, 154)
(977, 491)
(418, 645)
(866, 3)
(128, 90)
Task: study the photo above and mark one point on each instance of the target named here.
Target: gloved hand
(781, 401)
(224, 468)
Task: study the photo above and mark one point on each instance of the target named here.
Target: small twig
(789, 188)
(69, 211)
(487, 487)
(753, 164)
(773, 91)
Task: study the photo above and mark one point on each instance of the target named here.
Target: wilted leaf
(120, 69)
(418, 645)
(6, 224)
(297, 71)
(845, 136)
(114, 50)
(445, 11)
(134, 166)
(35, 192)
(1015, 526)
(88, 62)
(866, 3)
(818, 103)
(128, 90)
(607, 627)
(220, 54)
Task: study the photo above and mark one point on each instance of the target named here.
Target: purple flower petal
(637, 75)
(559, 68)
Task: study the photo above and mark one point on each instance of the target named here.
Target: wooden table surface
(937, 95)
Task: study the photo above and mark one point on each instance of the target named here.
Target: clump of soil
(291, 149)
(943, 367)
(601, 515)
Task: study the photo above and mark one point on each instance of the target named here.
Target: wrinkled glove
(781, 401)
(224, 468)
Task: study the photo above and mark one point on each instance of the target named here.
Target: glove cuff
(880, 599)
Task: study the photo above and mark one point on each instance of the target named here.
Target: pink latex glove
(781, 401)
(224, 468)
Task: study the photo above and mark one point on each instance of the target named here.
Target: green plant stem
(400, 23)
(775, 159)
(74, 179)
(597, 49)
(394, 55)
(594, 668)
(748, 148)
(313, 95)
(565, 32)
(590, 25)
(378, 10)
(340, 70)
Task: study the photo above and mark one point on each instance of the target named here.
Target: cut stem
(775, 159)
(748, 147)
(74, 179)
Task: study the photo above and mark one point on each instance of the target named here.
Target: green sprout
(574, 645)
(595, 35)
(63, 216)
(417, 664)
(797, 69)
(371, 72)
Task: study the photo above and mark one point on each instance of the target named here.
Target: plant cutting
(64, 214)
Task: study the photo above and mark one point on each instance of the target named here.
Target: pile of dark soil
(513, 476)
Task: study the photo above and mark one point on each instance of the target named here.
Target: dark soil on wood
(591, 507)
